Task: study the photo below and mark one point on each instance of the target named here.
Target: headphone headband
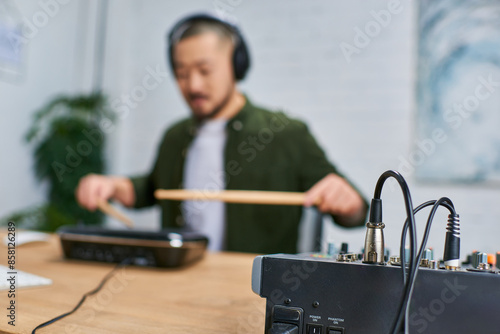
(241, 58)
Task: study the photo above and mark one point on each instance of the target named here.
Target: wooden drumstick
(108, 209)
(234, 196)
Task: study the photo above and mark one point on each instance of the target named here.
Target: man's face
(204, 72)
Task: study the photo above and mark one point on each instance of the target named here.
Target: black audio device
(164, 248)
(370, 292)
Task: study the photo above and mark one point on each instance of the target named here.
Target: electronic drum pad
(164, 248)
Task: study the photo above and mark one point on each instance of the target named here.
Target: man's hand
(332, 194)
(94, 188)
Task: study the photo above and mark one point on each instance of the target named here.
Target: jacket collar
(236, 123)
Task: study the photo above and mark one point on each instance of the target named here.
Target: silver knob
(481, 261)
(428, 254)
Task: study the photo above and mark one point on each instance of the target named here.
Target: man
(228, 143)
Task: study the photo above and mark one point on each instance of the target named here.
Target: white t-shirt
(204, 170)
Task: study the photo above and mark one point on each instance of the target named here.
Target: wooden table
(211, 296)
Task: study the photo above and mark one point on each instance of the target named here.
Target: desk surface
(211, 296)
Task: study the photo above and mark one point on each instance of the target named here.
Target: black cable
(449, 206)
(408, 205)
(90, 293)
(376, 216)
(409, 210)
(414, 269)
(425, 237)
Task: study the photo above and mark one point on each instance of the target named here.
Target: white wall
(362, 111)
(54, 50)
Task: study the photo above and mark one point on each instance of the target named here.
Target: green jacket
(264, 151)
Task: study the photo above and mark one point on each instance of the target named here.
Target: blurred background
(349, 69)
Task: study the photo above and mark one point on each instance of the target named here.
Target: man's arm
(334, 195)
(325, 186)
(136, 191)
(94, 188)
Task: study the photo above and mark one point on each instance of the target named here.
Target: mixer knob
(428, 254)
(395, 260)
(434, 264)
(474, 259)
(482, 261)
(331, 249)
(350, 257)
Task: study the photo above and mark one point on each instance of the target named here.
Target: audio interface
(374, 293)
(319, 294)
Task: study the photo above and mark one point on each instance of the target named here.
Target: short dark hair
(203, 25)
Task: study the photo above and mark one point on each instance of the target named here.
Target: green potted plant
(68, 137)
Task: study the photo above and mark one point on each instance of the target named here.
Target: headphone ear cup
(241, 59)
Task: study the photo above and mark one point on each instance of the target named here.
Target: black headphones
(241, 57)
